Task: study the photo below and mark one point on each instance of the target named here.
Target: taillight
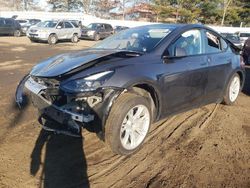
(242, 63)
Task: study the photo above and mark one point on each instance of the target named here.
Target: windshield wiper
(131, 53)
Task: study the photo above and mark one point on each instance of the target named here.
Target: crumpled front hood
(64, 63)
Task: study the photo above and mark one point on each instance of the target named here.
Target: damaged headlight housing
(89, 83)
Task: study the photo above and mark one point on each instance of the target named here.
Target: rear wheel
(52, 39)
(128, 123)
(17, 33)
(74, 38)
(233, 90)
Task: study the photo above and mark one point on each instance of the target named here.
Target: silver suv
(54, 30)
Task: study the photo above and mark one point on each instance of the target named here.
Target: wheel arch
(148, 90)
(242, 77)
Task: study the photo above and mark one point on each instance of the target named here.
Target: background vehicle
(234, 38)
(134, 78)
(246, 51)
(120, 28)
(22, 22)
(97, 31)
(52, 31)
(243, 36)
(9, 26)
(28, 24)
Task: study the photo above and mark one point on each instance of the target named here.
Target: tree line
(220, 12)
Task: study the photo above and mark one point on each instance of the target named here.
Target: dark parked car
(97, 31)
(28, 24)
(120, 28)
(9, 26)
(246, 51)
(234, 38)
(123, 84)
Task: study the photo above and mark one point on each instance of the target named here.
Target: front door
(186, 73)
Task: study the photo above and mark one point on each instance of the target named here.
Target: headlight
(90, 32)
(89, 83)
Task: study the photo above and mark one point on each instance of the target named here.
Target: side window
(8, 22)
(60, 25)
(108, 27)
(68, 25)
(189, 43)
(224, 44)
(1, 22)
(213, 43)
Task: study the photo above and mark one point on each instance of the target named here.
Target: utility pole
(226, 5)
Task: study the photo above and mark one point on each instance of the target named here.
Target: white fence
(87, 19)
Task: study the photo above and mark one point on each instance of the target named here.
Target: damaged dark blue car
(128, 81)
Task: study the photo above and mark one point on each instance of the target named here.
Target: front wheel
(52, 39)
(233, 90)
(128, 123)
(74, 38)
(97, 37)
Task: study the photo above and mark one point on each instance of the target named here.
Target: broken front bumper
(78, 109)
(62, 114)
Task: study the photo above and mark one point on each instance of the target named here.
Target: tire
(119, 130)
(52, 40)
(74, 38)
(233, 90)
(97, 37)
(32, 40)
(17, 33)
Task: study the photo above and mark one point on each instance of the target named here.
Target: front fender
(19, 95)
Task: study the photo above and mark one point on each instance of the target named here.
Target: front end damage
(70, 111)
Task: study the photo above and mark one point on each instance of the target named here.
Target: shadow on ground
(246, 88)
(63, 164)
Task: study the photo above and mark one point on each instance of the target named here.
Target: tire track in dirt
(146, 155)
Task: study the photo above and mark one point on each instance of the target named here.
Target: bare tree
(86, 5)
(226, 4)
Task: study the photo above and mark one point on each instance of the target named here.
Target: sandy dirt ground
(205, 147)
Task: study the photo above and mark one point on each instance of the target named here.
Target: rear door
(10, 26)
(220, 59)
(109, 30)
(102, 31)
(186, 73)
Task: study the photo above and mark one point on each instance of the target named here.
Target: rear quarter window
(213, 43)
(244, 34)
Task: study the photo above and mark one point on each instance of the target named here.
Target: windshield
(93, 26)
(22, 21)
(140, 39)
(48, 24)
(230, 36)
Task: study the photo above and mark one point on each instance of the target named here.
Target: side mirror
(59, 27)
(167, 58)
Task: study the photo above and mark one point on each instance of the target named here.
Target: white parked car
(244, 35)
(54, 30)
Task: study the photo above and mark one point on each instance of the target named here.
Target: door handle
(209, 59)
